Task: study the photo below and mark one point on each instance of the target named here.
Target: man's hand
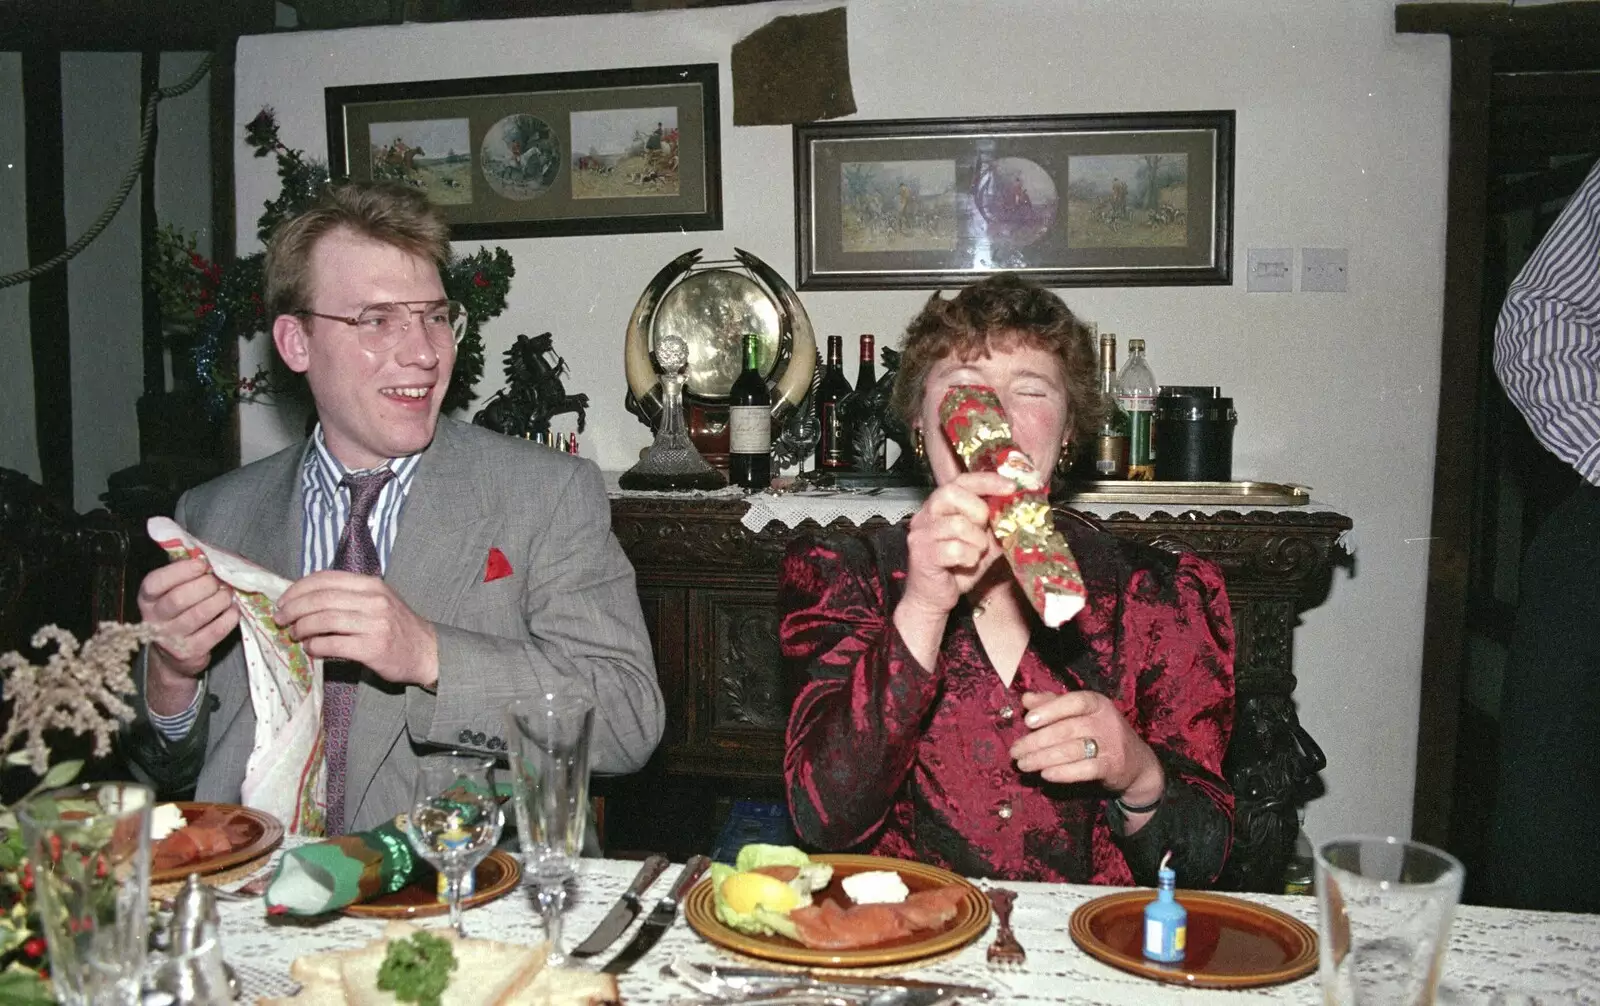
(348, 616)
(192, 611)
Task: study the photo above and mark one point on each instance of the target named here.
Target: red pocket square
(498, 566)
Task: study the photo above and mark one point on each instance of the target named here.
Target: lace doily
(1550, 955)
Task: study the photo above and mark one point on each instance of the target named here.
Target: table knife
(761, 978)
(622, 914)
(660, 919)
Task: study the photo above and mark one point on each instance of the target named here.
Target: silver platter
(711, 311)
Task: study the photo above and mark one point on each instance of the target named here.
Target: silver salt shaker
(193, 972)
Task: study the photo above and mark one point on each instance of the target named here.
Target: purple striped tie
(356, 554)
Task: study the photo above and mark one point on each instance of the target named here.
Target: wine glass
(455, 819)
(550, 791)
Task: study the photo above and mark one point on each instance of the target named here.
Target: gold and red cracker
(975, 423)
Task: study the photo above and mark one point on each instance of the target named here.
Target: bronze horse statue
(533, 391)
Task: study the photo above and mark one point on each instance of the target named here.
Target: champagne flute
(550, 768)
(455, 819)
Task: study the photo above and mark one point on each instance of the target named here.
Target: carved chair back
(56, 567)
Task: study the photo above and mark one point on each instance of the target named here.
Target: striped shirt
(327, 509)
(1547, 342)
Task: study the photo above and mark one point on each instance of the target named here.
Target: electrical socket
(1270, 270)
(1324, 270)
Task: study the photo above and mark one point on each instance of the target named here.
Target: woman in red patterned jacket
(942, 721)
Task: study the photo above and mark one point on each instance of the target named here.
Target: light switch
(1324, 270)
(1270, 270)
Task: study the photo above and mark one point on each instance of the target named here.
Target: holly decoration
(480, 281)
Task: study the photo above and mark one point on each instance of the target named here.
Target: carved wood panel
(747, 669)
(711, 584)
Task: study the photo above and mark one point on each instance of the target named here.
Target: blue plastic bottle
(1166, 922)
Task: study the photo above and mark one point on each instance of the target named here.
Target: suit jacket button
(213, 702)
(496, 744)
(465, 737)
(477, 738)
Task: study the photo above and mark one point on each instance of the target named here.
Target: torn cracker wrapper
(285, 774)
(975, 423)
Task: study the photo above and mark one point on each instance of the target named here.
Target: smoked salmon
(212, 832)
(826, 926)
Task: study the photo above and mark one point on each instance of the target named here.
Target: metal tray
(1189, 493)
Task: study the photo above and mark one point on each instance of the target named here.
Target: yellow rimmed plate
(972, 918)
(1232, 943)
(261, 834)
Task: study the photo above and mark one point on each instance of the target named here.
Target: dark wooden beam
(1495, 20)
(1533, 152)
(122, 26)
(155, 371)
(1573, 87)
(47, 294)
(1450, 552)
(464, 10)
(1539, 189)
(223, 222)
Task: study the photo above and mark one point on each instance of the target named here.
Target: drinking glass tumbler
(550, 789)
(89, 846)
(1384, 907)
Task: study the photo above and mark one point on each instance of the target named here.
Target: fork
(1005, 952)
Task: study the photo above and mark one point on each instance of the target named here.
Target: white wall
(100, 127)
(1341, 141)
(18, 448)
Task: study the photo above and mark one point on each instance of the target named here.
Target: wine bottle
(1137, 395)
(833, 443)
(750, 422)
(868, 442)
(1111, 440)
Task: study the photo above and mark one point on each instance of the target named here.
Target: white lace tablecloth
(1553, 956)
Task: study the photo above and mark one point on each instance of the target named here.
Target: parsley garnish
(418, 969)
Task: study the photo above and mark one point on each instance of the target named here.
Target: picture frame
(614, 151)
(1064, 200)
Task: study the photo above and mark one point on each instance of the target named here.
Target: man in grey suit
(445, 569)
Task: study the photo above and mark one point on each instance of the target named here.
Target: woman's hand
(950, 548)
(1056, 749)
(950, 544)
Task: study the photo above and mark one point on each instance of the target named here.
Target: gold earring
(917, 445)
(1064, 459)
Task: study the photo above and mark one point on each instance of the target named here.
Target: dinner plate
(498, 873)
(972, 917)
(263, 832)
(1232, 943)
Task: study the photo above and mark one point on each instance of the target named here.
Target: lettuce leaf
(759, 922)
(813, 876)
(762, 922)
(760, 854)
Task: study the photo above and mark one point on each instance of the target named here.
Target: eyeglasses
(380, 326)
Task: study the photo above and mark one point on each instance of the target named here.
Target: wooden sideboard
(708, 586)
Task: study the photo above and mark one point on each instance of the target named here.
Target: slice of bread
(324, 967)
(560, 987)
(487, 973)
(312, 993)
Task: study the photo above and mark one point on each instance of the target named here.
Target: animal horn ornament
(644, 388)
(795, 352)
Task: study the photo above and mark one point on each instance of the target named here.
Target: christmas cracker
(975, 423)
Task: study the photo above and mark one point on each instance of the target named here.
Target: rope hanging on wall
(134, 170)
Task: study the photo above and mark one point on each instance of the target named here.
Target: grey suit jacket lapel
(266, 528)
(273, 535)
(438, 549)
